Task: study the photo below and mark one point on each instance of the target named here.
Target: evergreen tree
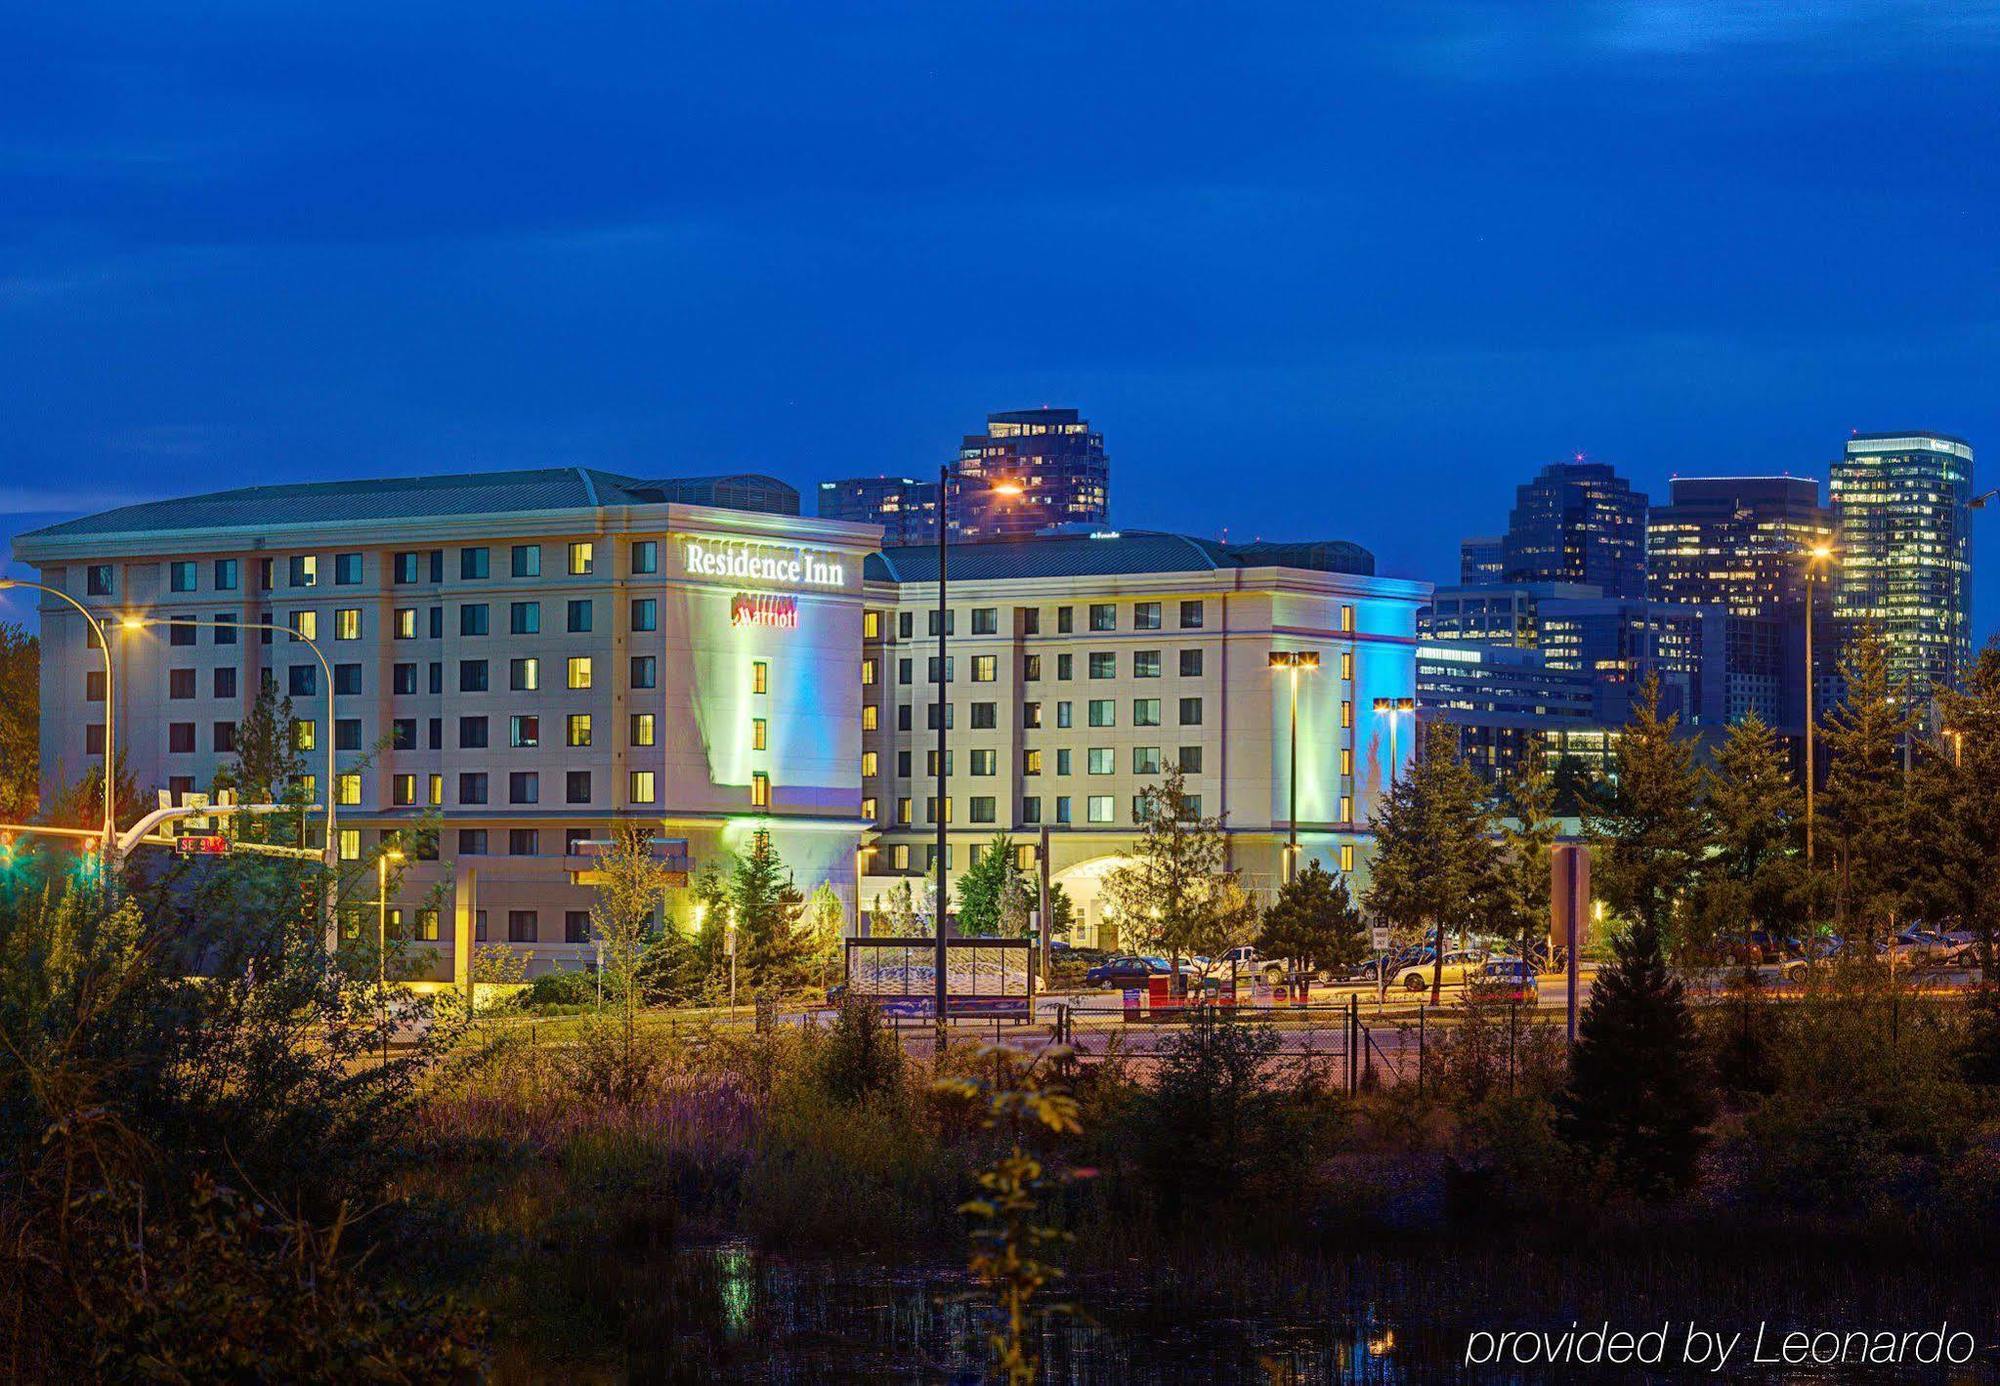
(1753, 874)
(1864, 814)
(992, 892)
(766, 907)
(268, 768)
(1577, 791)
(1648, 837)
(1062, 911)
(1314, 920)
(1528, 834)
(1637, 1103)
(1434, 852)
(20, 724)
(1176, 891)
(1958, 810)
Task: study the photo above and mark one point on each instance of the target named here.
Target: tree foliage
(631, 886)
(993, 894)
(1863, 816)
(766, 908)
(1754, 874)
(1649, 836)
(1175, 891)
(1314, 920)
(20, 723)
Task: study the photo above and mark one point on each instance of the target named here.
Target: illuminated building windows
(1031, 762)
(931, 809)
(576, 729)
(1347, 760)
(579, 671)
(642, 729)
(406, 623)
(1347, 808)
(760, 676)
(985, 762)
(582, 558)
(1031, 715)
(347, 623)
(348, 790)
(350, 844)
(1347, 665)
(760, 790)
(903, 815)
(1346, 712)
(760, 734)
(403, 790)
(1346, 856)
(524, 675)
(870, 765)
(305, 734)
(871, 717)
(868, 673)
(436, 791)
(305, 624)
(984, 668)
(1346, 618)
(304, 570)
(871, 625)
(868, 809)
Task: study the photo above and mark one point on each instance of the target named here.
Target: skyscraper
(1052, 455)
(1481, 559)
(1740, 543)
(1904, 563)
(1578, 522)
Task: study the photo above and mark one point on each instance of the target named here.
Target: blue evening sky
(1335, 270)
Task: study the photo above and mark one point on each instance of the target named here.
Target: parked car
(1754, 946)
(1510, 978)
(1915, 947)
(1125, 970)
(1823, 949)
(1458, 968)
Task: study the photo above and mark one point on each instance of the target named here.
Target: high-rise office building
(1053, 456)
(1578, 522)
(1904, 566)
(1742, 543)
(1481, 559)
(1621, 642)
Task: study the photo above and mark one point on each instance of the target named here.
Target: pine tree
(1648, 839)
(1314, 920)
(268, 768)
(991, 891)
(1434, 853)
(1753, 873)
(766, 907)
(1638, 1101)
(1062, 911)
(1958, 809)
(1864, 813)
(1528, 834)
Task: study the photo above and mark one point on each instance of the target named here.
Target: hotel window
(760, 734)
(576, 787)
(903, 717)
(760, 676)
(1031, 762)
(1190, 712)
(1146, 616)
(427, 926)
(642, 729)
(524, 731)
(1065, 619)
(1191, 615)
(1062, 715)
(97, 580)
(1097, 809)
(869, 765)
(472, 733)
(406, 623)
(1103, 665)
(1031, 668)
(180, 576)
(523, 926)
(180, 737)
(347, 679)
(403, 790)
(474, 563)
(1346, 712)
(646, 556)
(305, 734)
(526, 560)
(472, 676)
(641, 787)
(645, 670)
(868, 808)
(931, 809)
(1065, 667)
(348, 789)
(1062, 808)
(903, 809)
(1031, 809)
(760, 789)
(1103, 712)
(985, 620)
(1190, 664)
(984, 668)
(180, 683)
(904, 625)
(1103, 616)
(579, 671)
(524, 787)
(305, 624)
(1347, 760)
(524, 675)
(1031, 716)
(93, 686)
(347, 734)
(1145, 664)
(224, 738)
(302, 680)
(580, 617)
(1347, 808)
(931, 716)
(645, 613)
(871, 717)
(1347, 665)
(931, 762)
(582, 558)
(1347, 618)
(1145, 712)
(436, 787)
(871, 625)
(576, 926)
(1062, 760)
(1031, 620)
(985, 762)
(472, 790)
(407, 567)
(347, 570)
(303, 570)
(950, 622)
(867, 673)
(1101, 760)
(437, 623)
(225, 681)
(225, 628)
(950, 668)
(985, 716)
(225, 574)
(576, 730)
(903, 670)
(1145, 760)
(1346, 856)
(982, 808)
(471, 841)
(181, 631)
(347, 623)
(524, 618)
(350, 844)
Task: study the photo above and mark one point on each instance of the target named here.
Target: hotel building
(536, 656)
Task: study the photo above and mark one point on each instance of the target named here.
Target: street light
(1817, 555)
(331, 854)
(998, 488)
(1393, 709)
(110, 715)
(1293, 661)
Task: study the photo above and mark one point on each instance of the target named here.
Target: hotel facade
(536, 656)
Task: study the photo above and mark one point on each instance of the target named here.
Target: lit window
(642, 729)
(581, 558)
(305, 734)
(646, 556)
(1346, 712)
(403, 790)
(306, 624)
(577, 730)
(760, 676)
(1347, 808)
(348, 790)
(868, 765)
(870, 717)
(1347, 665)
(759, 734)
(350, 844)
(436, 790)
(984, 668)
(406, 623)
(642, 787)
(347, 623)
(1346, 856)
(579, 671)
(868, 809)
(760, 790)
(871, 625)
(524, 732)
(1347, 618)
(524, 675)
(867, 673)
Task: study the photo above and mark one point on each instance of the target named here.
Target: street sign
(202, 845)
(1379, 938)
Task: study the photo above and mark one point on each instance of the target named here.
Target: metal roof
(1108, 555)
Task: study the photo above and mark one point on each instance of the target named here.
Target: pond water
(730, 1313)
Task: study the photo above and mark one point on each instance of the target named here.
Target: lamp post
(1394, 709)
(331, 854)
(110, 714)
(388, 855)
(1293, 661)
(1818, 554)
(1001, 488)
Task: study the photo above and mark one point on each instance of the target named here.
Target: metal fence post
(1422, 1011)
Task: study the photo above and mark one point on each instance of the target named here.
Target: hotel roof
(1109, 554)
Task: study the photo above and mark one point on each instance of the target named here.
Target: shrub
(859, 1056)
(562, 988)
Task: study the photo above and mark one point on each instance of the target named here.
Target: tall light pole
(331, 854)
(1394, 709)
(1002, 488)
(110, 714)
(1292, 661)
(1818, 554)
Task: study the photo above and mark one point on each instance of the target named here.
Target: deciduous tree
(1175, 891)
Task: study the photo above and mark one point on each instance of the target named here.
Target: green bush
(562, 988)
